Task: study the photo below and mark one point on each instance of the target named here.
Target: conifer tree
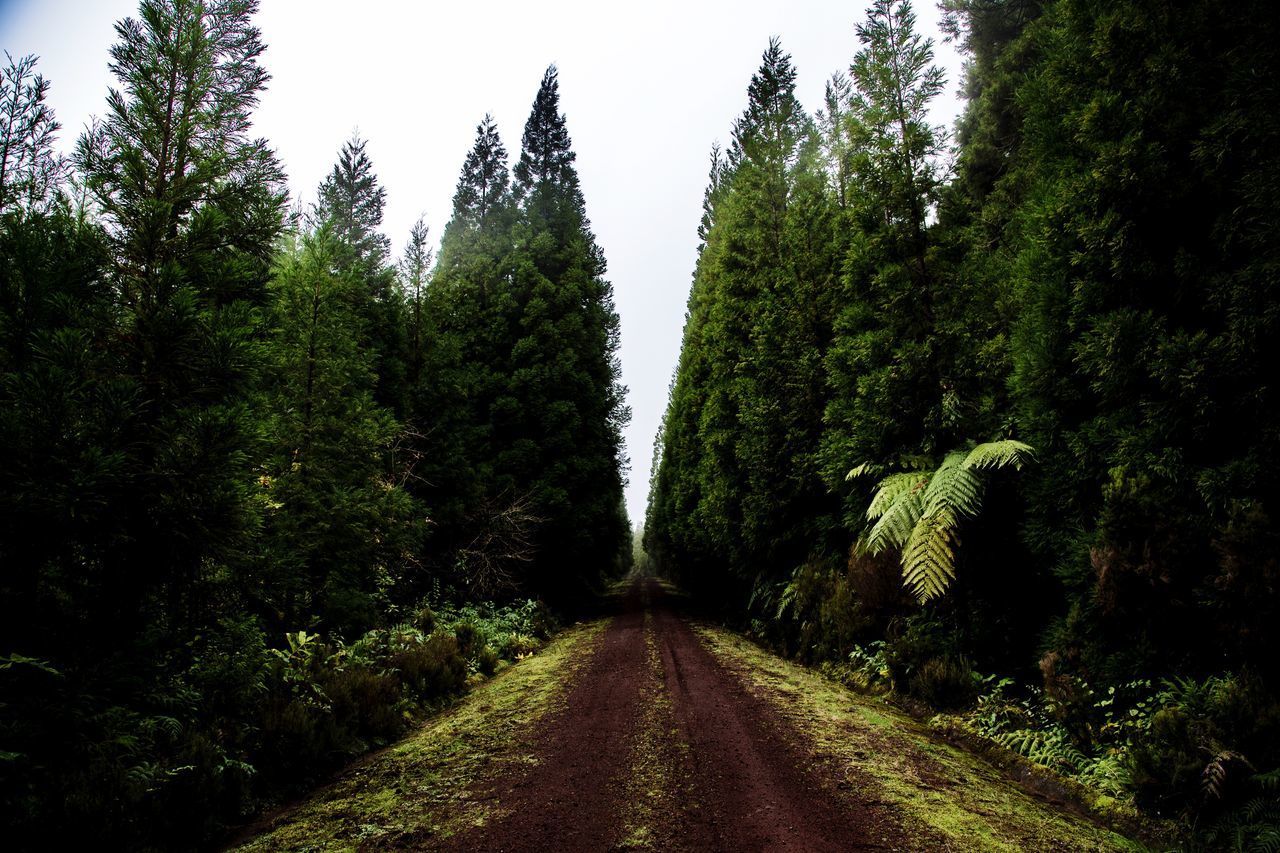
(337, 525)
(884, 367)
(350, 200)
(467, 353)
(1145, 258)
(192, 205)
(564, 410)
(736, 485)
(414, 270)
(29, 167)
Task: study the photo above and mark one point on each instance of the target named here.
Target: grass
(421, 789)
(653, 789)
(936, 789)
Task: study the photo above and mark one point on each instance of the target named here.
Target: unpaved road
(752, 787)
(648, 732)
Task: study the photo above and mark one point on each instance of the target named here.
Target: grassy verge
(936, 787)
(421, 788)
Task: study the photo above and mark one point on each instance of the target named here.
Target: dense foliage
(1091, 277)
(228, 563)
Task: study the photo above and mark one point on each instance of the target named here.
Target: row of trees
(220, 423)
(1093, 275)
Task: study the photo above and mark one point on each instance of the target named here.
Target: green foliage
(30, 169)
(337, 527)
(735, 503)
(919, 513)
(525, 463)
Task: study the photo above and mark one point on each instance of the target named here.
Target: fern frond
(954, 487)
(1000, 454)
(864, 470)
(1213, 778)
(893, 487)
(928, 559)
(898, 506)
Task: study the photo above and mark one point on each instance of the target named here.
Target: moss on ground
(424, 787)
(657, 753)
(935, 788)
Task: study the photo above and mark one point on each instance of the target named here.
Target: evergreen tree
(1145, 260)
(350, 200)
(414, 270)
(736, 485)
(132, 362)
(468, 332)
(29, 167)
(889, 395)
(337, 525)
(561, 418)
(193, 207)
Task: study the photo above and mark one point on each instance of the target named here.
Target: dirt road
(650, 732)
(753, 788)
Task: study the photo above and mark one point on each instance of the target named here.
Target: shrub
(468, 637)
(365, 706)
(514, 645)
(433, 669)
(944, 683)
(425, 620)
(1205, 745)
(487, 660)
(924, 661)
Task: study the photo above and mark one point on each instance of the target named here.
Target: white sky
(646, 88)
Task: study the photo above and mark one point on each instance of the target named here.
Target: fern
(896, 509)
(1254, 826)
(928, 561)
(1000, 454)
(919, 512)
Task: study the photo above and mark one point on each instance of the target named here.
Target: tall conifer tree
(350, 200)
(564, 411)
(193, 207)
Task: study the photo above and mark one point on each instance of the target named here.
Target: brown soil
(735, 777)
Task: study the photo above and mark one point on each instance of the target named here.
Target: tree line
(249, 458)
(989, 418)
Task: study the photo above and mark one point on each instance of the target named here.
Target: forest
(979, 419)
(995, 433)
(269, 491)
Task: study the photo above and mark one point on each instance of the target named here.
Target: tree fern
(895, 509)
(919, 512)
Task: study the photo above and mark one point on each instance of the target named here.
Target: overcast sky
(646, 87)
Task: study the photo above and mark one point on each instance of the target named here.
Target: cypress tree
(336, 526)
(468, 332)
(737, 502)
(562, 416)
(885, 364)
(350, 200)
